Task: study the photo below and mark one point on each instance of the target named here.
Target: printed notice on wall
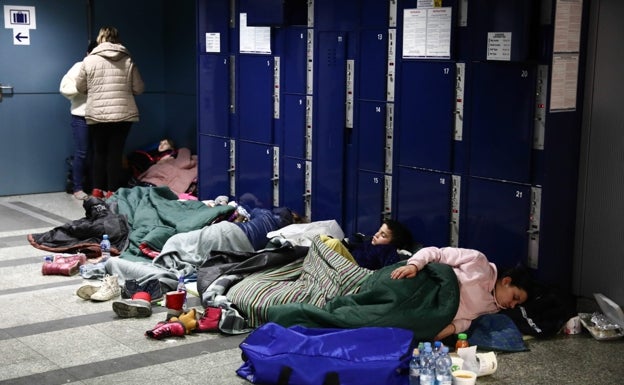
(568, 17)
(254, 39)
(427, 33)
(499, 46)
(213, 42)
(564, 82)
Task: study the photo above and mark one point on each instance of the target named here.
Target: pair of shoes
(109, 290)
(138, 306)
(80, 195)
(152, 287)
(63, 264)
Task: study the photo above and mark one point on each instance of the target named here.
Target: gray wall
(599, 248)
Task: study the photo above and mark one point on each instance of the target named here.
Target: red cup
(174, 300)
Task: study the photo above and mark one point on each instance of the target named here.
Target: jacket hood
(110, 51)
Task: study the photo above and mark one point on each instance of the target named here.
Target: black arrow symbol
(19, 37)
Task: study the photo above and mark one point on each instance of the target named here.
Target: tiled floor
(48, 335)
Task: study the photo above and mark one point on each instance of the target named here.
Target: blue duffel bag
(298, 355)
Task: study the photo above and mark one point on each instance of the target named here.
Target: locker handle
(533, 232)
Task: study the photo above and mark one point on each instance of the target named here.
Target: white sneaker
(110, 289)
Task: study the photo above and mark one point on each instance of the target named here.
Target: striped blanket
(318, 277)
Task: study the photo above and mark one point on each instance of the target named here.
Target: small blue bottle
(105, 247)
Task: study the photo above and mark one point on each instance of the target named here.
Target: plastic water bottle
(443, 367)
(414, 368)
(437, 346)
(105, 247)
(182, 288)
(427, 367)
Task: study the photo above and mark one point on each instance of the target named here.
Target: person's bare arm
(447, 331)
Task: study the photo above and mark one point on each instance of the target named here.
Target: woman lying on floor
(436, 293)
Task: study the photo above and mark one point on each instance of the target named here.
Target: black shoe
(152, 286)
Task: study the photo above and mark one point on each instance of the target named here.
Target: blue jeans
(81, 145)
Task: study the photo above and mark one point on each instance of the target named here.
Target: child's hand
(407, 271)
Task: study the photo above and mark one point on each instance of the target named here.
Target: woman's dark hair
(520, 277)
(401, 236)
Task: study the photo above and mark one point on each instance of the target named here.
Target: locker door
(370, 208)
(374, 14)
(214, 162)
(294, 60)
(332, 15)
(213, 16)
(424, 205)
(292, 184)
(213, 91)
(371, 133)
(373, 65)
(254, 173)
(426, 105)
(329, 124)
(501, 122)
(293, 118)
(255, 98)
(495, 220)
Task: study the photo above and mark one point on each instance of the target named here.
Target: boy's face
(383, 236)
(164, 145)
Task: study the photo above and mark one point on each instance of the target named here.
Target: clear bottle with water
(182, 288)
(414, 368)
(437, 346)
(427, 367)
(443, 367)
(105, 247)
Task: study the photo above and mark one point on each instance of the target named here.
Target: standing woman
(80, 130)
(110, 79)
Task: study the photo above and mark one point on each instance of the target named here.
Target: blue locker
(332, 15)
(426, 119)
(254, 173)
(294, 60)
(371, 132)
(255, 97)
(424, 205)
(214, 162)
(213, 91)
(494, 219)
(293, 119)
(519, 17)
(213, 16)
(372, 65)
(275, 12)
(329, 126)
(374, 14)
(370, 202)
(292, 184)
(502, 96)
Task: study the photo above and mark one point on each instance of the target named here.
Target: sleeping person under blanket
(183, 253)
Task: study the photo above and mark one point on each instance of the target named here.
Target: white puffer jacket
(110, 79)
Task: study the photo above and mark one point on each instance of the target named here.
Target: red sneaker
(168, 329)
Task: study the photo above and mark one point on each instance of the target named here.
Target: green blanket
(155, 214)
(424, 304)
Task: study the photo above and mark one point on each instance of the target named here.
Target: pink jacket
(476, 277)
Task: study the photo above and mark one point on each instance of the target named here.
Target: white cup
(464, 377)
